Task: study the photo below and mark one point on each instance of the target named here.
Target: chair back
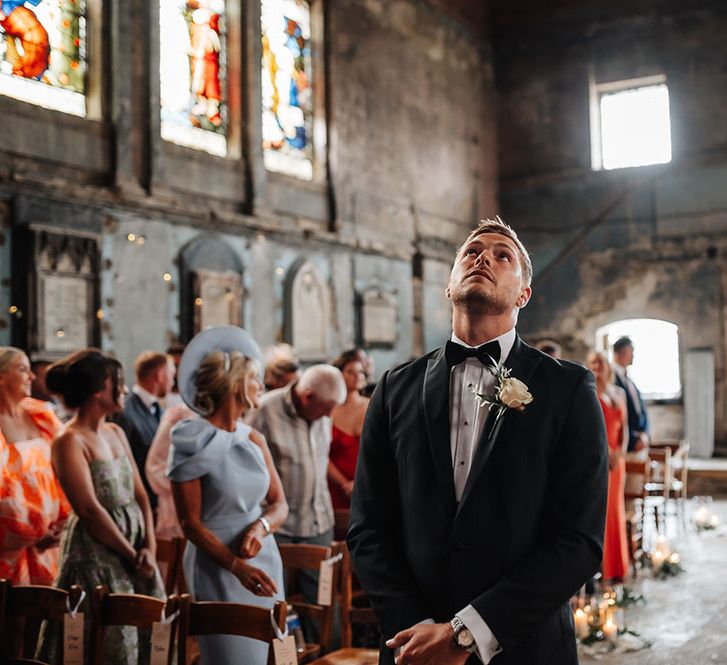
(218, 618)
(301, 556)
(660, 471)
(355, 608)
(638, 475)
(340, 527)
(125, 609)
(22, 611)
(169, 558)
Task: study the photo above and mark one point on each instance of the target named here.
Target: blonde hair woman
(33, 507)
(613, 403)
(221, 472)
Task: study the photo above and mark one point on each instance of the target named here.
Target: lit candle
(581, 619)
(714, 521)
(610, 630)
(701, 517)
(662, 545)
(657, 558)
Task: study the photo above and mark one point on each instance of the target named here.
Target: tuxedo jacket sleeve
(375, 533)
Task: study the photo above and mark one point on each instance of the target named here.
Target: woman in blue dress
(222, 472)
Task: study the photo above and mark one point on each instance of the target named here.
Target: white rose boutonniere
(510, 393)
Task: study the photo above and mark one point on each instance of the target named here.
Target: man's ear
(524, 297)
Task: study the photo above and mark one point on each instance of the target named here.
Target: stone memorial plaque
(218, 299)
(378, 318)
(64, 313)
(308, 308)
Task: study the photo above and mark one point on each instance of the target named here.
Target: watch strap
(266, 524)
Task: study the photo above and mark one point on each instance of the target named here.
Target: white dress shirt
(467, 420)
(146, 397)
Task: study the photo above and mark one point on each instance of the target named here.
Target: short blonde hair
(221, 374)
(498, 226)
(7, 355)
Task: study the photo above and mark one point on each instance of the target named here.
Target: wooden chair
(297, 557)
(169, 558)
(125, 609)
(354, 610)
(677, 490)
(657, 489)
(22, 611)
(340, 528)
(217, 618)
(635, 495)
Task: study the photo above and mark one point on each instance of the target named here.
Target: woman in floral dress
(33, 508)
(110, 538)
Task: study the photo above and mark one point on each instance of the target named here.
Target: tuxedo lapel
(521, 362)
(435, 405)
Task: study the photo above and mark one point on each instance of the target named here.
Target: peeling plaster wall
(645, 242)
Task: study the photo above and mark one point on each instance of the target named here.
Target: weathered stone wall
(411, 167)
(643, 242)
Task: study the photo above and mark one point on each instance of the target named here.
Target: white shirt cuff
(487, 645)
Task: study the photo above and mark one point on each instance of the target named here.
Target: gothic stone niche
(378, 318)
(63, 292)
(218, 299)
(308, 306)
(212, 293)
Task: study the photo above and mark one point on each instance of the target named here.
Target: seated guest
(33, 507)
(613, 403)
(221, 472)
(296, 422)
(109, 540)
(143, 409)
(281, 367)
(347, 420)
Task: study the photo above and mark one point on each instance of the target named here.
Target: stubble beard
(481, 303)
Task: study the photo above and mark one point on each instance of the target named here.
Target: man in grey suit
(155, 373)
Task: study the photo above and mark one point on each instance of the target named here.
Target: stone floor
(685, 617)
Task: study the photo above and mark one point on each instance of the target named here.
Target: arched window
(43, 53)
(192, 64)
(655, 369)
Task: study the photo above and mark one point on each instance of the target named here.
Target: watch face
(465, 639)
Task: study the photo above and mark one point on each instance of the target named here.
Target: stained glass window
(287, 93)
(192, 61)
(43, 53)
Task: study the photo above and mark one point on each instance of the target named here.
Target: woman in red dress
(613, 402)
(348, 420)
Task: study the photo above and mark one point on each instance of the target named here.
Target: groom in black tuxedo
(472, 526)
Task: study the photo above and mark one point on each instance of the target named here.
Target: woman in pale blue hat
(221, 472)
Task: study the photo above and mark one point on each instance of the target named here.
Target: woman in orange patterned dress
(613, 403)
(33, 507)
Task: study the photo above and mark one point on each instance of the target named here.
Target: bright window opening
(655, 369)
(630, 124)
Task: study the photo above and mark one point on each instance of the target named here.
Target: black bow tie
(486, 354)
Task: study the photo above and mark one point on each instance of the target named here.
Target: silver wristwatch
(463, 638)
